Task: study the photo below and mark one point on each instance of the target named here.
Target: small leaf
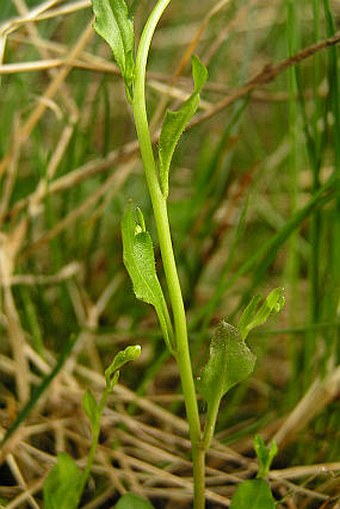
(255, 315)
(175, 123)
(132, 501)
(199, 73)
(254, 494)
(139, 261)
(113, 371)
(265, 455)
(91, 408)
(112, 23)
(230, 361)
(63, 485)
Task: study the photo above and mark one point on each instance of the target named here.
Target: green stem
(170, 269)
(209, 428)
(94, 445)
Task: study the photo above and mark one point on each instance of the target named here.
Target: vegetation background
(254, 204)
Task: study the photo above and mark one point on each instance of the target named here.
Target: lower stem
(182, 352)
(198, 462)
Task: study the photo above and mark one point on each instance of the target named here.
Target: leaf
(230, 361)
(265, 455)
(113, 371)
(176, 121)
(255, 315)
(132, 501)
(63, 485)
(139, 261)
(254, 494)
(112, 23)
(199, 73)
(91, 408)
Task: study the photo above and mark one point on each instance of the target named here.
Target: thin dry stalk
(9, 247)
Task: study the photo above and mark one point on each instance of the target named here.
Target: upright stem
(164, 236)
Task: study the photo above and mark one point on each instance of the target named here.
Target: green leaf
(256, 314)
(176, 121)
(254, 494)
(139, 261)
(112, 23)
(132, 501)
(230, 361)
(92, 409)
(112, 373)
(63, 485)
(199, 73)
(265, 455)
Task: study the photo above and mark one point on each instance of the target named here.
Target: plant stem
(164, 235)
(209, 428)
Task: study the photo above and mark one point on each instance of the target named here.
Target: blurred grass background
(254, 204)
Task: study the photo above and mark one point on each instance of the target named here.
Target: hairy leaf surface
(230, 361)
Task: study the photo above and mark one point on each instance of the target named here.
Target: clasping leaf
(230, 361)
(112, 23)
(139, 261)
(176, 121)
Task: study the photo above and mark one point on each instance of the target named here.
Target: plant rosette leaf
(63, 485)
(132, 501)
(175, 123)
(114, 25)
(254, 494)
(112, 373)
(230, 361)
(139, 260)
